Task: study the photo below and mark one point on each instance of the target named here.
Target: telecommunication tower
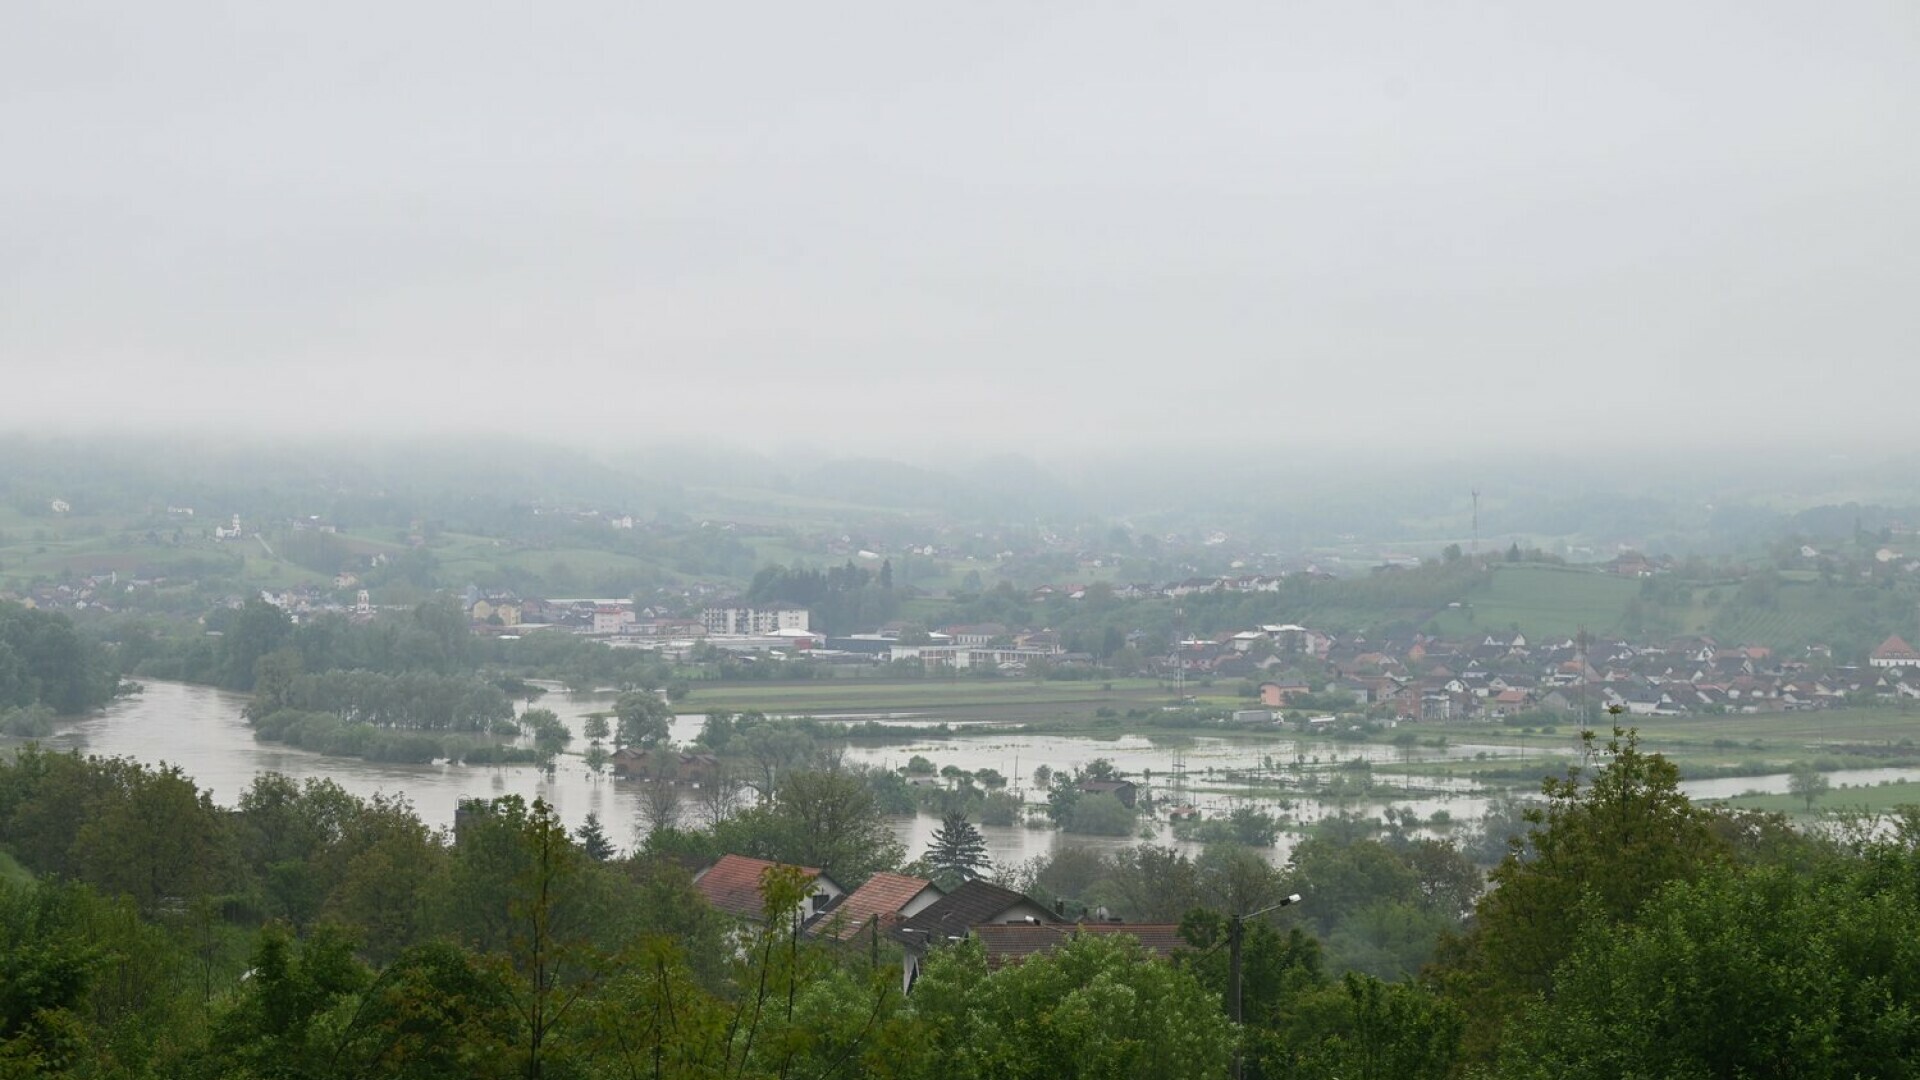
(1476, 523)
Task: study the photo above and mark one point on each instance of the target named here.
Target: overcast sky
(1028, 224)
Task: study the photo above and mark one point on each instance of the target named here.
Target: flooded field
(201, 730)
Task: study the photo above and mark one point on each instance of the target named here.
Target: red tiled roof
(1013, 942)
(733, 884)
(884, 894)
(1895, 649)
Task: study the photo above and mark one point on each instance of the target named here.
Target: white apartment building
(744, 621)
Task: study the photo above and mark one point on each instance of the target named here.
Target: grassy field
(1872, 798)
(920, 695)
(1783, 737)
(65, 548)
(1715, 745)
(1544, 601)
(465, 558)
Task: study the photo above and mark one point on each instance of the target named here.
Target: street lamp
(1236, 930)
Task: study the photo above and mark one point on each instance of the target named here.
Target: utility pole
(1236, 932)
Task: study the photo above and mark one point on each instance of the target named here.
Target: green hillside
(1785, 611)
(1544, 601)
(1852, 618)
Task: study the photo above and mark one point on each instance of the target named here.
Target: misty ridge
(1597, 502)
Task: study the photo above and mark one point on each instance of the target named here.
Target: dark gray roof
(972, 903)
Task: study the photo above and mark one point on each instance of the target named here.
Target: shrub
(1000, 808)
(1100, 814)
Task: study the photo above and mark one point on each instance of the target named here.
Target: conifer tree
(593, 839)
(958, 851)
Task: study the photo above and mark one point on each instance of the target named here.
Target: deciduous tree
(1808, 783)
(1601, 849)
(642, 720)
(1093, 1007)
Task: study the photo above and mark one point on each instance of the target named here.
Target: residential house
(1510, 702)
(732, 885)
(1278, 695)
(1191, 586)
(1124, 790)
(1292, 638)
(952, 917)
(1198, 656)
(1894, 653)
(1245, 640)
(886, 899)
(677, 767)
(1360, 692)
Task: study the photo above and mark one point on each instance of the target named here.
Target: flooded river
(201, 730)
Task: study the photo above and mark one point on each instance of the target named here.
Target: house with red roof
(733, 886)
(886, 898)
(1510, 701)
(1894, 652)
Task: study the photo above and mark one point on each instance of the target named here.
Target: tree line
(45, 663)
(840, 599)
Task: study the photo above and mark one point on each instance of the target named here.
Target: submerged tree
(642, 720)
